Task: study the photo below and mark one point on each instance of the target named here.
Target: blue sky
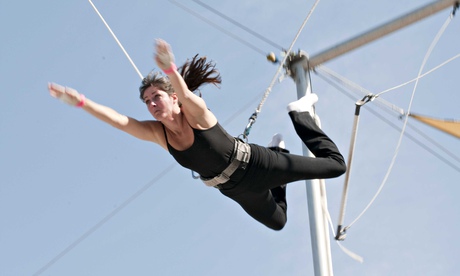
(67, 179)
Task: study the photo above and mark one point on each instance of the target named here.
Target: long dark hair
(199, 71)
(195, 73)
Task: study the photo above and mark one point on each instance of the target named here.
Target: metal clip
(252, 120)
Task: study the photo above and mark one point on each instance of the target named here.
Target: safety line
(341, 79)
(104, 220)
(239, 24)
(139, 192)
(127, 201)
(433, 44)
(267, 92)
(218, 27)
(421, 76)
(323, 72)
(412, 138)
(116, 39)
(326, 213)
(136, 194)
(451, 16)
(253, 117)
(348, 83)
(402, 133)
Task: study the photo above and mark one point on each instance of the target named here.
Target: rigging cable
(356, 87)
(131, 198)
(382, 103)
(412, 138)
(421, 76)
(239, 25)
(116, 39)
(104, 220)
(253, 117)
(353, 255)
(451, 16)
(433, 44)
(127, 201)
(218, 27)
(139, 192)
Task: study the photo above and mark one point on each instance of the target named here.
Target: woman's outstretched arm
(193, 106)
(145, 130)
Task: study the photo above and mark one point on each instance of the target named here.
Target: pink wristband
(82, 101)
(171, 69)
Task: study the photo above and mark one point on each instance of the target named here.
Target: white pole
(383, 30)
(300, 66)
(316, 191)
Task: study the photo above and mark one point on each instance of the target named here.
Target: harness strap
(241, 154)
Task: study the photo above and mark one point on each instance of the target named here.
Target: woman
(252, 175)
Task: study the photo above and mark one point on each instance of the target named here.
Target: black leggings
(269, 169)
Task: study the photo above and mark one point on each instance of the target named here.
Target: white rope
(116, 39)
(351, 254)
(280, 67)
(421, 76)
(341, 79)
(254, 115)
(434, 152)
(390, 168)
(127, 201)
(355, 87)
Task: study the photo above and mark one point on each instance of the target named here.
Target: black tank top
(209, 154)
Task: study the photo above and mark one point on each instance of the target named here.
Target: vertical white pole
(316, 191)
(300, 66)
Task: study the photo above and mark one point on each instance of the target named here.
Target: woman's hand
(66, 94)
(164, 56)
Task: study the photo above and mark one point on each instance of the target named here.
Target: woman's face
(159, 103)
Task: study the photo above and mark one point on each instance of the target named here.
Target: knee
(277, 226)
(277, 221)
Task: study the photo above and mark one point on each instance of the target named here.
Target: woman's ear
(175, 98)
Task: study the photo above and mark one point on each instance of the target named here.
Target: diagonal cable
(218, 27)
(239, 24)
(253, 117)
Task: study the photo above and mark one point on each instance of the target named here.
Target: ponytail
(195, 73)
(198, 72)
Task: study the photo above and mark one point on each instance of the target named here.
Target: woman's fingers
(66, 94)
(55, 89)
(162, 45)
(164, 55)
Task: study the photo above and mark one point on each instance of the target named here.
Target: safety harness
(240, 157)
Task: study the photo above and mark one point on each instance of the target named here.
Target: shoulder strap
(164, 131)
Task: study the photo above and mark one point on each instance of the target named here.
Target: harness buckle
(240, 159)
